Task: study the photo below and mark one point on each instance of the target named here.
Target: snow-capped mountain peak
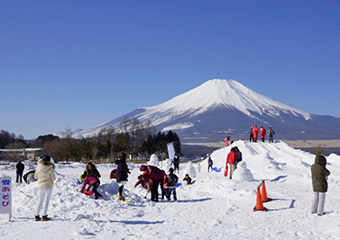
(219, 107)
(222, 93)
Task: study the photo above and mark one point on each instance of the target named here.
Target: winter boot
(45, 218)
(121, 198)
(37, 218)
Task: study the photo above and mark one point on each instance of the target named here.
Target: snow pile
(242, 173)
(214, 207)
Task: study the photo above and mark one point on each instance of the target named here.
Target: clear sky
(76, 64)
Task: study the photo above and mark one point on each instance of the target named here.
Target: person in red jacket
(226, 141)
(142, 182)
(154, 176)
(255, 131)
(231, 159)
(262, 133)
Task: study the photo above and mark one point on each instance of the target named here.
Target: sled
(178, 184)
(215, 169)
(88, 192)
(113, 173)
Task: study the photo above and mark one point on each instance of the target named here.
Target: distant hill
(218, 108)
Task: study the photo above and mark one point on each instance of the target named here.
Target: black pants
(96, 193)
(19, 177)
(173, 191)
(154, 190)
(121, 190)
(210, 167)
(176, 167)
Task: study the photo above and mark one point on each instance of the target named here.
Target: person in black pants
(122, 174)
(176, 163)
(20, 170)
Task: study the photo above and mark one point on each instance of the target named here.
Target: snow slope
(214, 207)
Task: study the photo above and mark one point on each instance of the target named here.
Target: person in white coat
(44, 173)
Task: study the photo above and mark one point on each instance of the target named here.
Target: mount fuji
(219, 107)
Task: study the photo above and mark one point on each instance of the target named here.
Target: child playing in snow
(187, 178)
(93, 182)
(172, 180)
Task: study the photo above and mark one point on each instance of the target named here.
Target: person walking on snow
(44, 173)
(255, 132)
(231, 158)
(210, 164)
(20, 169)
(122, 174)
(320, 185)
(262, 133)
(271, 133)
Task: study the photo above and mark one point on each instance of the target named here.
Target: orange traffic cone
(259, 204)
(264, 193)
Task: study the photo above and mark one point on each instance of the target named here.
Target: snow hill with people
(213, 207)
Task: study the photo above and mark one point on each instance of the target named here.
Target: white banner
(5, 195)
(171, 151)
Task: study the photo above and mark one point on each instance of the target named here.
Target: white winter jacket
(45, 175)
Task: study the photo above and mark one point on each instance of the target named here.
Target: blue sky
(76, 64)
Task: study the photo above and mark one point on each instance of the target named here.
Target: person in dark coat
(176, 163)
(20, 169)
(172, 180)
(320, 185)
(210, 164)
(251, 135)
(239, 156)
(122, 174)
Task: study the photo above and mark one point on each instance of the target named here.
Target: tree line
(138, 140)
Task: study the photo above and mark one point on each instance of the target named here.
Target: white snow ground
(214, 207)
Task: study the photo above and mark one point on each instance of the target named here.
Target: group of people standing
(254, 130)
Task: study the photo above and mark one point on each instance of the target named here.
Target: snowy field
(214, 207)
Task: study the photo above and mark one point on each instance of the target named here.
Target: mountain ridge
(221, 107)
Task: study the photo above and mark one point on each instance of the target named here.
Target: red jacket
(255, 131)
(262, 132)
(226, 142)
(231, 158)
(90, 180)
(151, 174)
(165, 182)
